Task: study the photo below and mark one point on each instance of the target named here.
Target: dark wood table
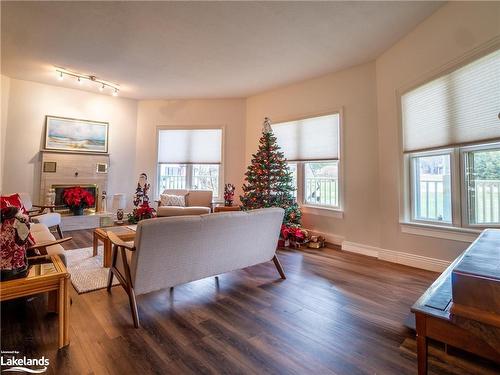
(437, 319)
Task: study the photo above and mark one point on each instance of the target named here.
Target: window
(190, 159)
(451, 135)
(312, 148)
(482, 181)
(432, 188)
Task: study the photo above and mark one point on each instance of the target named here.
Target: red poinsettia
(77, 197)
(144, 211)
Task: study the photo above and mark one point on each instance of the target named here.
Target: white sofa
(198, 202)
(176, 250)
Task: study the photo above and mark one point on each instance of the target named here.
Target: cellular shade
(197, 146)
(314, 138)
(458, 108)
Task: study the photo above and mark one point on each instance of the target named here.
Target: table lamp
(119, 205)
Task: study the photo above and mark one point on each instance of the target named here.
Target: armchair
(38, 214)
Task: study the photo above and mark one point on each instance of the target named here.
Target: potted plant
(144, 211)
(77, 199)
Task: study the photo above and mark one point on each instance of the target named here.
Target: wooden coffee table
(101, 234)
(46, 274)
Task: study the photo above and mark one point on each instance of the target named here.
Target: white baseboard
(412, 260)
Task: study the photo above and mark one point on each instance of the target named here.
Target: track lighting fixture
(102, 85)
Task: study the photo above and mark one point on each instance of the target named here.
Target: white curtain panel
(314, 138)
(200, 146)
(458, 108)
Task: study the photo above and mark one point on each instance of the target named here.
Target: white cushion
(51, 219)
(179, 211)
(42, 234)
(26, 199)
(173, 200)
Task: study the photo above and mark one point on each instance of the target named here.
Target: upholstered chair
(43, 214)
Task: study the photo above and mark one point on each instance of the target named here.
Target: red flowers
(293, 233)
(144, 211)
(77, 197)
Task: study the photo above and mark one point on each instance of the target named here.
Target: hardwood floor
(336, 313)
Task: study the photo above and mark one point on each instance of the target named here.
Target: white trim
(359, 248)
(407, 259)
(322, 211)
(448, 233)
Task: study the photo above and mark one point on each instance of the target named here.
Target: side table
(46, 275)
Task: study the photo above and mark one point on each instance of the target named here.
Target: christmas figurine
(141, 192)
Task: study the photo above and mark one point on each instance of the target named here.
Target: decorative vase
(77, 211)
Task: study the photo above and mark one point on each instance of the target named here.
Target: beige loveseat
(174, 250)
(198, 202)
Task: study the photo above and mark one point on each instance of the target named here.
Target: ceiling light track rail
(80, 77)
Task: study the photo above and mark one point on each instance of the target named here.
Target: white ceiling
(198, 49)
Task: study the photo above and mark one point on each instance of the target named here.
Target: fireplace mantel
(75, 170)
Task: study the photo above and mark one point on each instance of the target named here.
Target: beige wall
(450, 33)
(229, 113)
(4, 90)
(30, 102)
(353, 91)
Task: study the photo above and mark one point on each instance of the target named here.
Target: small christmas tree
(269, 180)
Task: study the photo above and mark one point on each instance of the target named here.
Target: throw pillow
(173, 200)
(13, 200)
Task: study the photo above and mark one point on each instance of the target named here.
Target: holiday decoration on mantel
(77, 199)
(142, 208)
(229, 190)
(269, 181)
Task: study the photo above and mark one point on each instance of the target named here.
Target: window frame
(459, 197)
(189, 166)
(412, 185)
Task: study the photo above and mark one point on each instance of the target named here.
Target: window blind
(458, 108)
(310, 139)
(193, 146)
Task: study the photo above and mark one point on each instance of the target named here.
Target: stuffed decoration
(15, 239)
(141, 192)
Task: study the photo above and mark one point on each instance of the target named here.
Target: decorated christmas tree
(269, 180)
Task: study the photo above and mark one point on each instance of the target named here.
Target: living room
(165, 116)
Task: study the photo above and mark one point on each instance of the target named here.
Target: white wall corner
(407, 259)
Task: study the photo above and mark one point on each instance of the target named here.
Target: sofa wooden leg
(59, 231)
(113, 265)
(133, 307)
(279, 267)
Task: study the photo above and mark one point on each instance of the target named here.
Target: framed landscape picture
(72, 135)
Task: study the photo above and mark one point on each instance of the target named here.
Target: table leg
(52, 301)
(421, 344)
(94, 244)
(63, 312)
(107, 253)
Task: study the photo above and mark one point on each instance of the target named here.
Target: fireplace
(61, 206)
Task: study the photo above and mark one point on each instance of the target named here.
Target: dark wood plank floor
(337, 313)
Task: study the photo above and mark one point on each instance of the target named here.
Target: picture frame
(101, 168)
(76, 136)
(49, 167)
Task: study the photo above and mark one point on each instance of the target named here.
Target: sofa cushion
(173, 200)
(199, 198)
(180, 211)
(49, 219)
(43, 235)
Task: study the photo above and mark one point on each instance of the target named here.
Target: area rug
(87, 272)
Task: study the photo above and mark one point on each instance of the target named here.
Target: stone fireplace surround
(76, 169)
